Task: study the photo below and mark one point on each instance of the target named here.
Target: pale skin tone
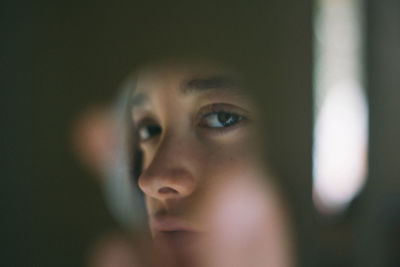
(210, 199)
(197, 129)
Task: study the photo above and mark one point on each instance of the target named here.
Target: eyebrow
(208, 83)
(219, 82)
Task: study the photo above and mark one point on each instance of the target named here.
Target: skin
(208, 196)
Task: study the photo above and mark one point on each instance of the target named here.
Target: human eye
(221, 117)
(147, 131)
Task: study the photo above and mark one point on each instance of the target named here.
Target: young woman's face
(201, 174)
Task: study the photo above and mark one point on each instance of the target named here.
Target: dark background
(59, 57)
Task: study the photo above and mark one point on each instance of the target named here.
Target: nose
(168, 175)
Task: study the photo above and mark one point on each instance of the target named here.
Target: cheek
(226, 163)
(237, 193)
(221, 173)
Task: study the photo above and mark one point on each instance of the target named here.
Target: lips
(167, 223)
(172, 233)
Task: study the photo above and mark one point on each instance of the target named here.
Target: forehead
(182, 77)
(179, 80)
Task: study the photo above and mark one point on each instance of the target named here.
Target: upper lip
(167, 223)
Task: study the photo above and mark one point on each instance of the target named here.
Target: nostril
(167, 190)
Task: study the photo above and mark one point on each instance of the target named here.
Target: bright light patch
(341, 112)
(340, 148)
